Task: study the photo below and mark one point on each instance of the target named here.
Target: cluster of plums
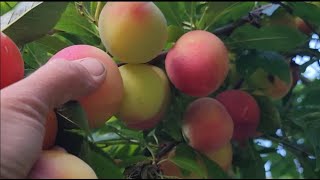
(138, 93)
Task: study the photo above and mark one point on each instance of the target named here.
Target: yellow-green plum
(133, 32)
(104, 102)
(207, 125)
(269, 85)
(198, 63)
(146, 95)
(56, 164)
(222, 156)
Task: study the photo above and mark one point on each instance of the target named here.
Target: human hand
(25, 105)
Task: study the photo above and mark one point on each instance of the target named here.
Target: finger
(56, 83)
(25, 105)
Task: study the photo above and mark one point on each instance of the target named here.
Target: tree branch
(239, 84)
(252, 18)
(166, 147)
(289, 145)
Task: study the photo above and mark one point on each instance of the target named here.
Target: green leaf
(217, 10)
(172, 122)
(34, 56)
(174, 33)
(283, 167)
(118, 127)
(312, 135)
(232, 11)
(37, 53)
(271, 62)
(65, 137)
(306, 11)
(72, 38)
(123, 151)
(100, 162)
(74, 23)
(186, 158)
(172, 11)
(74, 113)
(27, 22)
(311, 126)
(6, 6)
(270, 119)
(270, 38)
(312, 96)
(308, 168)
(250, 163)
(52, 43)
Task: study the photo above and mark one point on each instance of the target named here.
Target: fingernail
(95, 67)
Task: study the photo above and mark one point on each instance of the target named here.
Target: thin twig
(251, 18)
(289, 145)
(97, 13)
(239, 84)
(167, 147)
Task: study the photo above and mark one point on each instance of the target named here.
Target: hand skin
(26, 103)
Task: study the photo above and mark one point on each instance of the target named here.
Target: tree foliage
(290, 144)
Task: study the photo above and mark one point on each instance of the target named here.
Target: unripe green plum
(244, 111)
(269, 85)
(104, 102)
(198, 63)
(207, 125)
(56, 164)
(146, 95)
(12, 64)
(133, 32)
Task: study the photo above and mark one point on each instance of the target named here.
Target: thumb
(25, 104)
(57, 82)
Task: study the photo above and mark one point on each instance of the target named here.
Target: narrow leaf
(271, 62)
(27, 22)
(270, 38)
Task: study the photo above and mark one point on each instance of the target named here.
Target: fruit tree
(193, 89)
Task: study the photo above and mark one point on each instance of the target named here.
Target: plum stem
(97, 13)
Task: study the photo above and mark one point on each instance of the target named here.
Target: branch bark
(289, 145)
